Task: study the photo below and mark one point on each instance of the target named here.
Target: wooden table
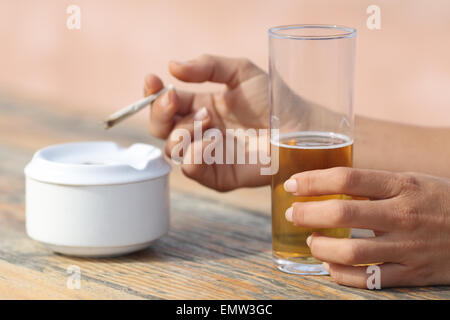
(219, 246)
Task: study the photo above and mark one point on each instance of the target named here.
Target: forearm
(399, 147)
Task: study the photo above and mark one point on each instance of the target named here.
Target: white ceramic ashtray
(97, 199)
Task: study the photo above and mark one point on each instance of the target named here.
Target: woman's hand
(243, 104)
(409, 213)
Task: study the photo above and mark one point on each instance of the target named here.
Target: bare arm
(244, 104)
(399, 147)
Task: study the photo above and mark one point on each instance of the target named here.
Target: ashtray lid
(97, 163)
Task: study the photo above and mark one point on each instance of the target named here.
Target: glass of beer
(311, 100)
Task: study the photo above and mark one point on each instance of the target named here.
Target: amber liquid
(300, 152)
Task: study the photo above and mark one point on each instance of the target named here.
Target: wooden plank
(215, 249)
(18, 282)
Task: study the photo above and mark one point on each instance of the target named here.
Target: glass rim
(341, 32)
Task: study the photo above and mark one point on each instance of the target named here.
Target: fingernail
(288, 214)
(201, 114)
(308, 241)
(326, 266)
(165, 99)
(290, 185)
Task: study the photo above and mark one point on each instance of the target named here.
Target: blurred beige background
(402, 72)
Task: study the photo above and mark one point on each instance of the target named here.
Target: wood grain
(219, 246)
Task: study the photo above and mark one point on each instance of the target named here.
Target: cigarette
(128, 111)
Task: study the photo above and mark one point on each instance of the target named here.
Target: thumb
(229, 71)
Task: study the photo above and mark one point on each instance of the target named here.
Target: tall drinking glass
(311, 93)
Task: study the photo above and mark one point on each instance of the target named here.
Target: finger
(341, 180)
(165, 107)
(184, 132)
(368, 277)
(353, 251)
(229, 71)
(152, 84)
(207, 173)
(162, 109)
(185, 102)
(162, 114)
(201, 172)
(363, 214)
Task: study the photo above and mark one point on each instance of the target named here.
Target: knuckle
(343, 212)
(412, 245)
(245, 64)
(306, 182)
(408, 182)
(352, 254)
(348, 177)
(406, 216)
